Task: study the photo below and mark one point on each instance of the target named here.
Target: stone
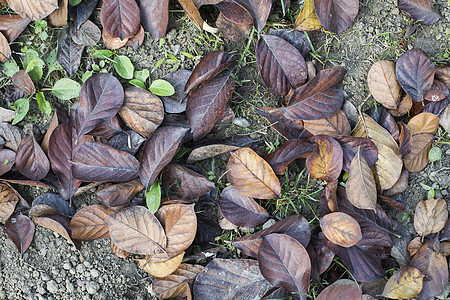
(45, 277)
(80, 269)
(241, 122)
(67, 266)
(92, 287)
(52, 287)
(95, 273)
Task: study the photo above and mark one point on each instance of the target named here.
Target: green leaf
(10, 67)
(43, 104)
(435, 154)
(142, 75)
(103, 53)
(162, 87)
(74, 2)
(153, 197)
(123, 67)
(31, 65)
(21, 106)
(29, 56)
(66, 89)
(37, 71)
(137, 83)
(158, 63)
(52, 63)
(86, 75)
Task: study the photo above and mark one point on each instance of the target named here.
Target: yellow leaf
(307, 19)
(161, 269)
(405, 283)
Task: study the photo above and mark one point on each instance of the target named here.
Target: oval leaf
(430, 216)
(307, 19)
(119, 194)
(161, 269)
(336, 124)
(341, 229)
(423, 123)
(259, 9)
(91, 223)
(336, 15)
(120, 18)
(405, 283)
(291, 150)
(20, 229)
(417, 159)
(422, 11)
(155, 16)
(31, 160)
(325, 162)
(383, 84)
(33, 10)
(341, 289)
(8, 201)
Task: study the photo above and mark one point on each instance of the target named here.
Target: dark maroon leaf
(81, 12)
(439, 91)
(87, 35)
(68, 53)
(405, 139)
(12, 26)
(281, 66)
(23, 82)
(119, 194)
(295, 38)
(209, 66)
(31, 161)
(259, 9)
(20, 229)
(108, 129)
(207, 231)
(276, 293)
(421, 10)
(186, 183)
(155, 16)
(97, 162)
(128, 141)
(436, 107)
(341, 289)
(61, 150)
(446, 234)
(241, 210)
(101, 98)
(13, 93)
(287, 153)
(177, 102)
(350, 145)
(336, 15)
(295, 226)
(319, 98)
(206, 104)
(284, 262)
(234, 12)
(159, 151)
(120, 18)
(394, 203)
(381, 115)
(365, 259)
(415, 73)
(323, 256)
(7, 160)
(56, 202)
(290, 129)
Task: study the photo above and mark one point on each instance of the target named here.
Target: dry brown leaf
(360, 187)
(443, 74)
(8, 201)
(192, 12)
(405, 283)
(5, 50)
(118, 252)
(252, 176)
(430, 216)
(383, 84)
(161, 269)
(113, 43)
(307, 19)
(417, 159)
(445, 248)
(91, 223)
(336, 124)
(33, 9)
(414, 246)
(208, 151)
(424, 123)
(326, 160)
(53, 124)
(404, 106)
(23, 82)
(341, 229)
(58, 224)
(59, 16)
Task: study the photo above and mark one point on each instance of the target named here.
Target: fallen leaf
(68, 53)
(349, 146)
(60, 225)
(235, 12)
(5, 50)
(423, 123)
(12, 26)
(336, 124)
(287, 153)
(307, 19)
(91, 223)
(87, 35)
(8, 201)
(119, 194)
(405, 283)
(417, 159)
(55, 202)
(31, 161)
(383, 84)
(231, 31)
(33, 10)
(341, 229)
(82, 11)
(336, 15)
(259, 9)
(439, 91)
(325, 162)
(127, 141)
(208, 151)
(422, 11)
(113, 43)
(295, 38)
(23, 82)
(120, 18)
(414, 246)
(186, 183)
(155, 17)
(403, 107)
(289, 128)
(405, 139)
(59, 16)
(341, 289)
(20, 230)
(177, 102)
(161, 269)
(118, 252)
(178, 283)
(7, 160)
(400, 186)
(430, 216)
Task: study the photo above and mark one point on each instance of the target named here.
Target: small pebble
(92, 287)
(69, 287)
(269, 223)
(52, 286)
(2, 295)
(40, 289)
(80, 269)
(241, 122)
(87, 264)
(95, 273)
(45, 277)
(67, 266)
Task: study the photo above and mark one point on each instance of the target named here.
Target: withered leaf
(101, 97)
(430, 216)
(137, 40)
(404, 139)
(403, 107)
(405, 283)
(193, 13)
(321, 256)
(53, 124)
(284, 262)
(128, 141)
(108, 129)
(341, 289)
(281, 66)
(417, 159)
(436, 107)
(414, 246)
(136, 230)
(205, 152)
(59, 16)
(33, 10)
(82, 11)
(235, 12)
(186, 183)
(423, 123)
(161, 269)
(118, 252)
(295, 38)
(307, 19)
(349, 146)
(287, 153)
(7, 160)
(415, 73)
(400, 186)
(252, 176)
(155, 16)
(259, 9)
(54, 201)
(289, 128)
(159, 151)
(12, 26)
(336, 15)
(31, 161)
(20, 229)
(238, 279)
(325, 162)
(141, 111)
(231, 31)
(68, 53)
(336, 124)
(206, 104)
(113, 43)
(341, 229)
(443, 74)
(119, 194)
(383, 84)
(177, 102)
(60, 225)
(91, 223)
(241, 210)
(23, 82)
(439, 91)
(5, 50)
(422, 11)
(120, 18)
(177, 284)
(8, 201)
(87, 35)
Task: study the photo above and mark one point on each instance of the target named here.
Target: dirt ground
(53, 269)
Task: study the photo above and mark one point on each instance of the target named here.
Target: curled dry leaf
(336, 15)
(178, 283)
(403, 107)
(439, 91)
(59, 16)
(404, 139)
(430, 216)
(383, 84)
(325, 162)
(284, 262)
(417, 159)
(281, 66)
(423, 123)
(31, 161)
(414, 246)
(141, 111)
(136, 230)
(341, 289)
(58, 224)
(120, 18)
(193, 13)
(161, 269)
(336, 124)
(33, 9)
(231, 31)
(23, 82)
(415, 73)
(400, 186)
(287, 153)
(341, 229)
(155, 16)
(113, 43)
(12, 26)
(8, 201)
(307, 19)
(405, 283)
(422, 11)
(20, 230)
(241, 210)
(118, 252)
(252, 176)
(119, 194)
(5, 50)
(91, 223)
(186, 183)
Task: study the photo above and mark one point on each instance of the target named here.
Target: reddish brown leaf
(259, 9)
(59, 16)
(120, 18)
(20, 229)
(341, 289)
(7, 160)
(155, 16)
(400, 186)
(336, 15)
(443, 74)
(5, 50)
(280, 64)
(415, 73)
(33, 10)
(128, 141)
(417, 159)
(323, 255)
(284, 262)
(159, 151)
(31, 161)
(53, 124)
(404, 139)
(439, 91)
(231, 31)
(113, 43)
(108, 129)
(241, 210)
(118, 252)
(349, 146)
(287, 153)
(91, 223)
(119, 194)
(12, 26)
(289, 128)
(403, 106)
(336, 124)
(325, 162)
(81, 12)
(420, 10)
(234, 12)
(423, 123)
(23, 82)
(186, 183)
(205, 152)
(8, 201)
(137, 40)
(177, 102)
(87, 35)
(60, 225)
